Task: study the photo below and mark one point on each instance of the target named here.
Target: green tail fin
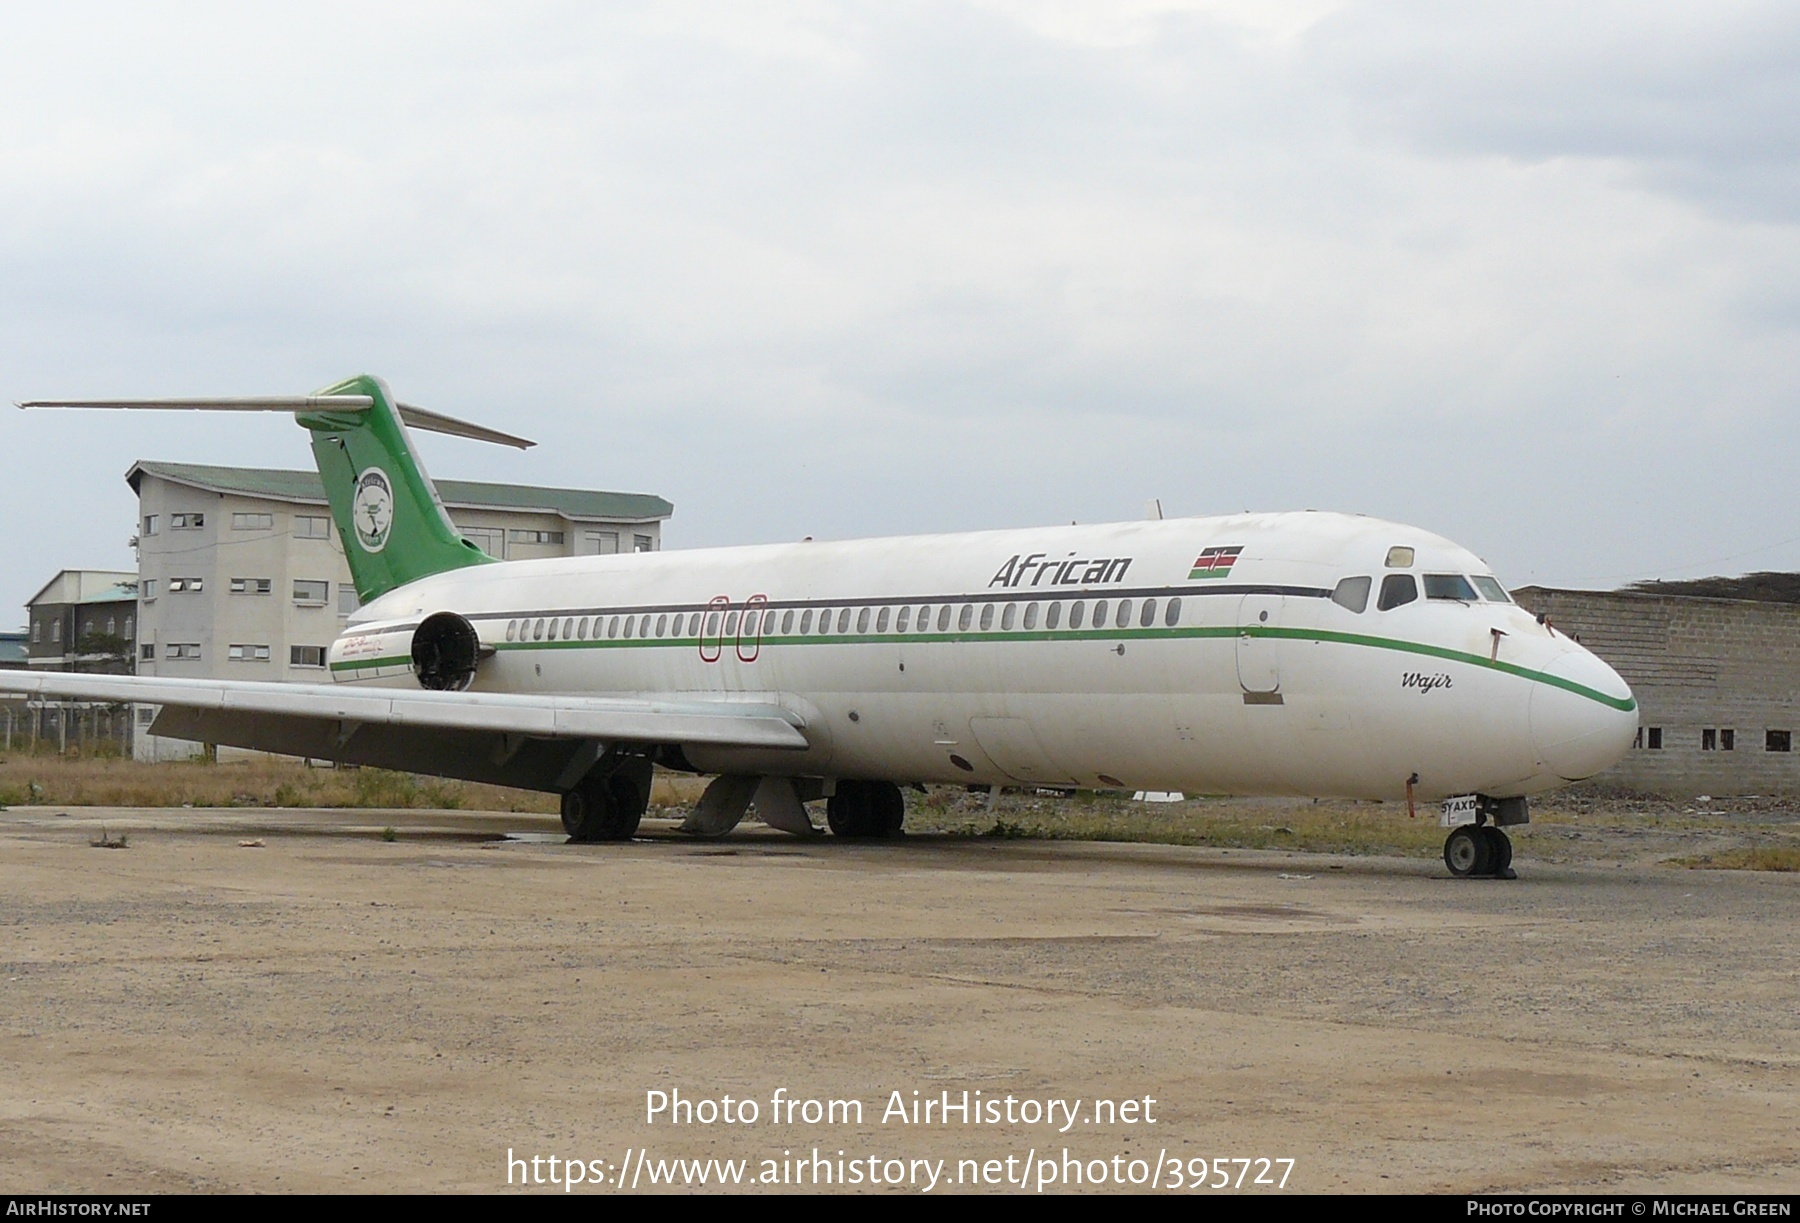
(393, 526)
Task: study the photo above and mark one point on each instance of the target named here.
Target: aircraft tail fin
(386, 508)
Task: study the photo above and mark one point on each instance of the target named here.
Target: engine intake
(445, 652)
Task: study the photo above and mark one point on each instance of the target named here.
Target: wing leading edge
(511, 739)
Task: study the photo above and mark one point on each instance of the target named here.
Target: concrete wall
(1696, 665)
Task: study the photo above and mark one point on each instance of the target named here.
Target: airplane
(1303, 654)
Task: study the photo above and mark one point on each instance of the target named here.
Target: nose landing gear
(1479, 851)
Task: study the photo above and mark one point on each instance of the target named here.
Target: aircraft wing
(527, 740)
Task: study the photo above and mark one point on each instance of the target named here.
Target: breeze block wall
(1700, 668)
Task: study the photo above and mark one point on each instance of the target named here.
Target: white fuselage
(939, 658)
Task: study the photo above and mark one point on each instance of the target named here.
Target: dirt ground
(326, 1009)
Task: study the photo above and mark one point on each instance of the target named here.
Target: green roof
(304, 486)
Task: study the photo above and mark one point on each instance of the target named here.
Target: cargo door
(1258, 646)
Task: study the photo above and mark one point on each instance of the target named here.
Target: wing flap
(719, 723)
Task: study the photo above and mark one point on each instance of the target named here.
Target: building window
(306, 655)
(347, 601)
(309, 527)
(186, 522)
(147, 652)
(146, 715)
(640, 543)
(131, 626)
(1649, 738)
(539, 537)
(1727, 739)
(1709, 740)
(190, 585)
(149, 589)
(183, 649)
(248, 653)
(252, 586)
(37, 631)
(56, 631)
(311, 592)
(1778, 741)
(603, 543)
(252, 522)
(150, 524)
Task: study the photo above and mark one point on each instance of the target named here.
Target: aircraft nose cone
(1583, 716)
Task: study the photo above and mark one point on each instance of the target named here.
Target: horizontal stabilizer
(416, 417)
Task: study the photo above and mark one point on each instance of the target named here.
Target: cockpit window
(1396, 588)
(1449, 586)
(1399, 558)
(1491, 590)
(1352, 593)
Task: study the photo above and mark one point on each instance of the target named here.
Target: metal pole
(62, 730)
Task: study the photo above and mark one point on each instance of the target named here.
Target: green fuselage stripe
(729, 645)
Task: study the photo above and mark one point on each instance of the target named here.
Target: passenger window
(1491, 590)
(1030, 615)
(537, 631)
(965, 618)
(987, 616)
(1123, 619)
(512, 630)
(1099, 613)
(1353, 594)
(1399, 558)
(1449, 586)
(731, 624)
(612, 627)
(1077, 610)
(825, 621)
(881, 621)
(944, 618)
(1148, 617)
(1172, 617)
(553, 630)
(569, 629)
(862, 620)
(903, 619)
(1009, 617)
(787, 622)
(1396, 589)
(629, 621)
(582, 628)
(662, 623)
(712, 624)
(844, 620)
(1052, 615)
(806, 621)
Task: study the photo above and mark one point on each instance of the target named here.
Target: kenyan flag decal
(1214, 563)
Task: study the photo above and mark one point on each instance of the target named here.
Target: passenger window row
(756, 621)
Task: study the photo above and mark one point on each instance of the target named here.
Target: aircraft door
(1258, 648)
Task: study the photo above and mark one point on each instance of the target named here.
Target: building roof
(15, 648)
(87, 586)
(304, 487)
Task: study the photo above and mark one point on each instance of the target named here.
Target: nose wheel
(1479, 851)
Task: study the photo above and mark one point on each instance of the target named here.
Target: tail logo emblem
(372, 512)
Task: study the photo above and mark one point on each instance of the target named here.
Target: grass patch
(1762, 858)
(28, 779)
(1314, 827)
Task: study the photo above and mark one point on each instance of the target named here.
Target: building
(241, 573)
(15, 650)
(1717, 682)
(82, 620)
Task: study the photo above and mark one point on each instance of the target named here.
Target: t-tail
(387, 510)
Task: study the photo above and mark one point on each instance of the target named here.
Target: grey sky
(1523, 274)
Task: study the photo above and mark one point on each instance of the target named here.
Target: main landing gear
(1479, 851)
(866, 810)
(607, 806)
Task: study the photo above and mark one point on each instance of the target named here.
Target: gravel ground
(329, 1010)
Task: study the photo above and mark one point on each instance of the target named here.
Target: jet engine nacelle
(446, 649)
